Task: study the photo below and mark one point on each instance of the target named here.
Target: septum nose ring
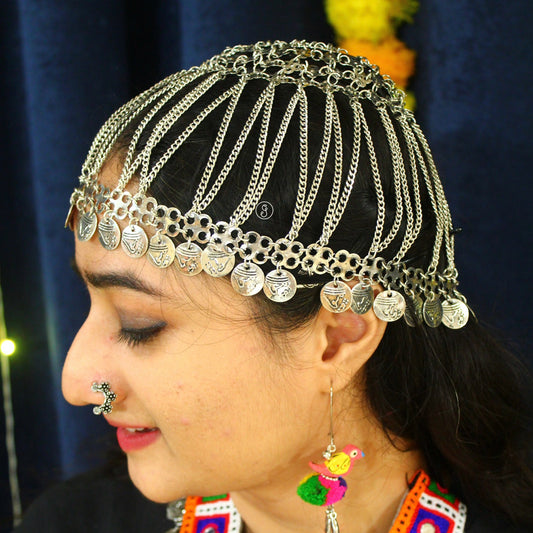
(109, 396)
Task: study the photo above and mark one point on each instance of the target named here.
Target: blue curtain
(67, 65)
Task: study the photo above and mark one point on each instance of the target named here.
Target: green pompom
(312, 491)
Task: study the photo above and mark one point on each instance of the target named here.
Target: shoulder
(99, 501)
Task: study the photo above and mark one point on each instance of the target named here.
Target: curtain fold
(74, 58)
(473, 73)
(67, 65)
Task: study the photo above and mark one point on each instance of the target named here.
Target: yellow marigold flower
(391, 56)
(370, 20)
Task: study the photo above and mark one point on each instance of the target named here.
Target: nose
(90, 360)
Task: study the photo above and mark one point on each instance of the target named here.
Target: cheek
(212, 388)
(203, 402)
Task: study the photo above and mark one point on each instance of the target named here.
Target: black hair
(459, 395)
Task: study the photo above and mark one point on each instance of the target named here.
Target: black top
(106, 501)
(99, 501)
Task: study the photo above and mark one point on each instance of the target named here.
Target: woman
(275, 327)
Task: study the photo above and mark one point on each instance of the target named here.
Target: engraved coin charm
(134, 241)
(161, 251)
(217, 263)
(280, 285)
(362, 298)
(389, 305)
(454, 313)
(247, 279)
(188, 258)
(413, 316)
(108, 233)
(336, 296)
(87, 226)
(432, 312)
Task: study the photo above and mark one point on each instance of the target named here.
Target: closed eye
(135, 336)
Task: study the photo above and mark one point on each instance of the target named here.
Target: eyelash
(133, 337)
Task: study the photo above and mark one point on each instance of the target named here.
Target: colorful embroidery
(428, 508)
(213, 514)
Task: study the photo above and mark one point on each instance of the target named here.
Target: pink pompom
(336, 489)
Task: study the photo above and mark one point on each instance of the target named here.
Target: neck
(376, 487)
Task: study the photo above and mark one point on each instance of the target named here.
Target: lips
(135, 438)
(132, 439)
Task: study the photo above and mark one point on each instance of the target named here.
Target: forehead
(200, 294)
(110, 173)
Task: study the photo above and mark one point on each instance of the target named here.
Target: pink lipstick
(131, 439)
(135, 438)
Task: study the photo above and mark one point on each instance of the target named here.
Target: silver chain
(213, 156)
(253, 194)
(439, 220)
(128, 168)
(307, 67)
(443, 204)
(200, 204)
(380, 197)
(397, 169)
(301, 211)
(337, 176)
(146, 181)
(114, 126)
(407, 243)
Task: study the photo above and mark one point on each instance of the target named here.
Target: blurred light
(7, 347)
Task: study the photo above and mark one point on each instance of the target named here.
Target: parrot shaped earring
(326, 486)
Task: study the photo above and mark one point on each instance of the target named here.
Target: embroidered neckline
(214, 514)
(427, 508)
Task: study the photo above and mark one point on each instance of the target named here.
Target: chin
(154, 486)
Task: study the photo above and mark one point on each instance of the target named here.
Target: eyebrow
(111, 280)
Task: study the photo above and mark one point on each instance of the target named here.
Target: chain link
(307, 67)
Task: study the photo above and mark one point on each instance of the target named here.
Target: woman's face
(220, 409)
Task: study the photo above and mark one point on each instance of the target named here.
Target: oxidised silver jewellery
(109, 397)
(418, 293)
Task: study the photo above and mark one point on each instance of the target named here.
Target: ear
(351, 341)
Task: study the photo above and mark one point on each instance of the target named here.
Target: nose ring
(109, 396)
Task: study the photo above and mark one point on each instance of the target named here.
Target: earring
(109, 396)
(326, 486)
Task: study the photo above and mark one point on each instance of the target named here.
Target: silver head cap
(404, 183)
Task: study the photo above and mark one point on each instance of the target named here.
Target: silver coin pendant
(108, 233)
(454, 313)
(87, 225)
(134, 241)
(413, 315)
(247, 279)
(188, 258)
(389, 305)
(336, 296)
(432, 312)
(217, 263)
(280, 285)
(362, 298)
(161, 251)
